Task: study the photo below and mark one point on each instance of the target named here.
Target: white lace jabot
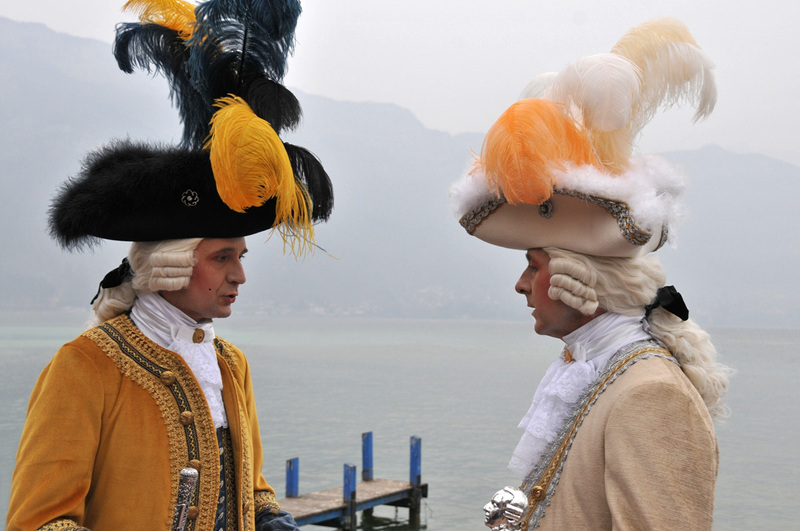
(591, 346)
(173, 330)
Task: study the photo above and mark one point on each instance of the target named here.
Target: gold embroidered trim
(231, 513)
(265, 501)
(472, 219)
(620, 211)
(169, 381)
(245, 484)
(248, 513)
(63, 524)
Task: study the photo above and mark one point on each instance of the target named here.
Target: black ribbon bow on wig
(115, 277)
(668, 298)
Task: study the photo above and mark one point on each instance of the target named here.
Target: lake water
(461, 386)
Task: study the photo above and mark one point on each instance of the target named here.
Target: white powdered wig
(626, 286)
(165, 265)
(157, 266)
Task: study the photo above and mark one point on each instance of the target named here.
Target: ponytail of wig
(157, 266)
(626, 286)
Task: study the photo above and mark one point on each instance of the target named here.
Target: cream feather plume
(603, 88)
(538, 86)
(614, 95)
(599, 92)
(674, 69)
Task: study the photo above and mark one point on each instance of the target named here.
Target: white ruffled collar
(591, 347)
(604, 335)
(173, 330)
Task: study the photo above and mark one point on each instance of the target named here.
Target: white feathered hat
(556, 169)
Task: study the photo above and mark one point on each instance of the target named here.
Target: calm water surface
(461, 386)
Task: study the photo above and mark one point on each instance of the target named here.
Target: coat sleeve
(661, 460)
(55, 459)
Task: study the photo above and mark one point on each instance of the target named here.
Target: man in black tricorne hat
(147, 420)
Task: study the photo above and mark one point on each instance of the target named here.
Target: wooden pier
(339, 507)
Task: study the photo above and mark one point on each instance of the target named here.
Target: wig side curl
(572, 282)
(157, 266)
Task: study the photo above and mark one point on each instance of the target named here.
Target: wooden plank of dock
(324, 505)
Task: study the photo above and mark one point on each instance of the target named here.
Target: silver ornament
(505, 511)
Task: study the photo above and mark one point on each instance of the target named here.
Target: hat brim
(578, 223)
(137, 192)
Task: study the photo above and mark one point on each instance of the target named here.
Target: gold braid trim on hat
(630, 231)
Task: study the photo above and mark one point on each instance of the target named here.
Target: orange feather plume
(250, 165)
(177, 15)
(532, 138)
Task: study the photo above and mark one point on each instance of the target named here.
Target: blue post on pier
(366, 456)
(415, 478)
(339, 507)
(292, 477)
(415, 466)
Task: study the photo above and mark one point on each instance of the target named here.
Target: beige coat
(645, 457)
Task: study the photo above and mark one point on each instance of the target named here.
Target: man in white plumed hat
(620, 433)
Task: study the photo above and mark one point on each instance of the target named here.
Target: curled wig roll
(157, 266)
(626, 286)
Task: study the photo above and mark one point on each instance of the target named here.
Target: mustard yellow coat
(111, 422)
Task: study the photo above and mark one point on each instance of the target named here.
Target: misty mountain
(392, 248)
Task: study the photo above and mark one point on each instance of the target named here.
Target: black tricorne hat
(135, 192)
(231, 175)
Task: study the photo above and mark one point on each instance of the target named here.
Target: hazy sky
(457, 64)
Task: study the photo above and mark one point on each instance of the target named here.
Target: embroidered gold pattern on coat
(126, 346)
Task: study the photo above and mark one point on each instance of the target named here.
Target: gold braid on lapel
(187, 419)
(540, 485)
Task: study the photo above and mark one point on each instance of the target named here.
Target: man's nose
(237, 276)
(521, 286)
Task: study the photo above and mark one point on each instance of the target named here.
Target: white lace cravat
(591, 346)
(173, 330)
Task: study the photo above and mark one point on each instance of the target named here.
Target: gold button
(187, 417)
(192, 513)
(168, 378)
(195, 463)
(246, 506)
(198, 336)
(537, 492)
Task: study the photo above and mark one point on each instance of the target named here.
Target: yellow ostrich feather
(177, 15)
(529, 140)
(250, 165)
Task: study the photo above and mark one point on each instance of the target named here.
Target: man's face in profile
(553, 317)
